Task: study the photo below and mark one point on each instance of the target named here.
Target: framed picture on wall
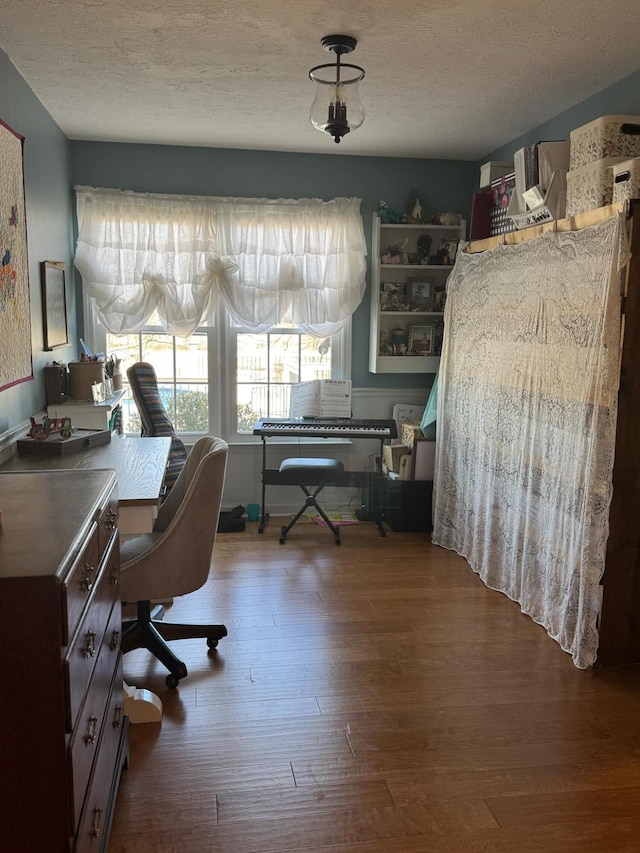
(54, 305)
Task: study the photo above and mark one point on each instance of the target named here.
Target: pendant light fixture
(336, 108)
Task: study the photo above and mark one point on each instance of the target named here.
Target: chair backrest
(153, 414)
(177, 560)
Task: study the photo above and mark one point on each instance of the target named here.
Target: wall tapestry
(15, 313)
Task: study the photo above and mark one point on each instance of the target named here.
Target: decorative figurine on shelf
(399, 341)
(449, 219)
(424, 247)
(416, 213)
(396, 254)
(388, 216)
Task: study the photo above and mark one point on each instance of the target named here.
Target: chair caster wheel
(212, 643)
(172, 681)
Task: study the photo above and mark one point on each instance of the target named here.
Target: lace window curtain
(272, 261)
(526, 423)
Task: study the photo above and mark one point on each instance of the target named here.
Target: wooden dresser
(63, 738)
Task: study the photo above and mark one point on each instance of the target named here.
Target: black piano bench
(306, 470)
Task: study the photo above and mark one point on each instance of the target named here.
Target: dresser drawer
(86, 644)
(95, 712)
(96, 817)
(80, 583)
(107, 522)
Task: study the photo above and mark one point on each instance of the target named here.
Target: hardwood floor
(375, 698)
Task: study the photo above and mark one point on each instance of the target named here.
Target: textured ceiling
(452, 79)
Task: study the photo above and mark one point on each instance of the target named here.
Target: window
(268, 364)
(182, 368)
(226, 396)
(282, 277)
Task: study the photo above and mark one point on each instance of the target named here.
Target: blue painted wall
(53, 165)
(49, 206)
(622, 98)
(440, 185)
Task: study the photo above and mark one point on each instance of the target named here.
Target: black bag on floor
(232, 521)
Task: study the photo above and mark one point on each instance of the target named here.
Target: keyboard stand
(353, 479)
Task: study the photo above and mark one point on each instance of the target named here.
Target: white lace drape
(526, 423)
(272, 261)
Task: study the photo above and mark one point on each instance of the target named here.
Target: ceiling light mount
(336, 108)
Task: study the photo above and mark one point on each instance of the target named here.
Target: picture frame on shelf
(421, 340)
(393, 296)
(447, 252)
(420, 293)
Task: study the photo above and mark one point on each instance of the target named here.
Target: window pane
(191, 359)
(157, 349)
(181, 366)
(268, 365)
(284, 358)
(252, 357)
(316, 358)
(192, 408)
(126, 348)
(252, 405)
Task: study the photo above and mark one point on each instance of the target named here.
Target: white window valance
(272, 261)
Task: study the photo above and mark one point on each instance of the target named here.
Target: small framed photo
(447, 252)
(420, 293)
(421, 340)
(393, 296)
(54, 305)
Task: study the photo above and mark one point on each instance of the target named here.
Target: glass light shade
(337, 108)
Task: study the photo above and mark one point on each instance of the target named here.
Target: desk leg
(141, 706)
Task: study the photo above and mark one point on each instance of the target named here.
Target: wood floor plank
(375, 698)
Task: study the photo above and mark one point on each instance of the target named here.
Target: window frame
(222, 367)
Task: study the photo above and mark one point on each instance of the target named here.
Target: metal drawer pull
(86, 578)
(115, 640)
(90, 736)
(117, 716)
(96, 818)
(110, 522)
(89, 648)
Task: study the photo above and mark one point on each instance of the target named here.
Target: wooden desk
(139, 465)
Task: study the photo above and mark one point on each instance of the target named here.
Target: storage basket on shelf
(591, 186)
(626, 180)
(607, 136)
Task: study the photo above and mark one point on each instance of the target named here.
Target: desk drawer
(95, 713)
(86, 644)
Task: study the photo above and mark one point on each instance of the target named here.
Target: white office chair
(176, 558)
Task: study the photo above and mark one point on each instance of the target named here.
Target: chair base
(145, 632)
